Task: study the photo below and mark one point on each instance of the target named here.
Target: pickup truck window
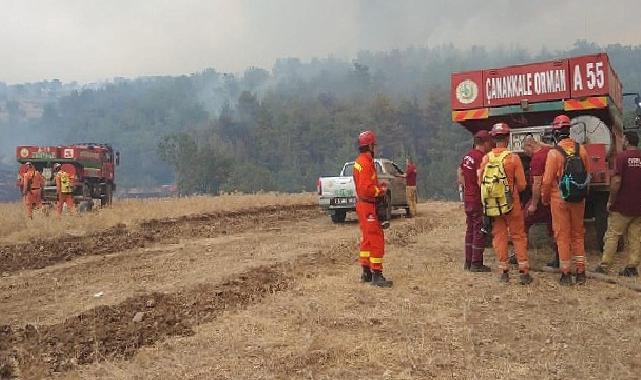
(348, 170)
(391, 169)
(398, 170)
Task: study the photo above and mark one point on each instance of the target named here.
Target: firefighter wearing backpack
(64, 189)
(564, 188)
(502, 178)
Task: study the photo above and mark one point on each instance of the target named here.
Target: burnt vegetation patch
(40, 253)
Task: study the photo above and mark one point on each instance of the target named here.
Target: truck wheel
(85, 206)
(86, 190)
(110, 194)
(107, 197)
(339, 216)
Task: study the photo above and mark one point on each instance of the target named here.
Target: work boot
(467, 266)
(513, 260)
(603, 269)
(475, 267)
(366, 276)
(505, 277)
(525, 278)
(566, 279)
(385, 225)
(580, 278)
(379, 280)
(629, 272)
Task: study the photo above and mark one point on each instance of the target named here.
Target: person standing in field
(410, 188)
(625, 208)
(64, 189)
(468, 180)
(564, 188)
(502, 178)
(32, 185)
(369, 191)
(535, 211)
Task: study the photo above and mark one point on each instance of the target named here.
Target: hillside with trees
(279, 129)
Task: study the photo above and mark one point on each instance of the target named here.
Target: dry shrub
(15, 227)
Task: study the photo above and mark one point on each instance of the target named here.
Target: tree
(279, 129)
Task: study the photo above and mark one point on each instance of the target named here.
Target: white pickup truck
(337, 195)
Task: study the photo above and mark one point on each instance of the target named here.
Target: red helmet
(560, 122)
(366, 138)
(500, 129)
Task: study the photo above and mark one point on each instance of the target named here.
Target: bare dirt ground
(271, 293)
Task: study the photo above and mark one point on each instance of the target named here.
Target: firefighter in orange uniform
(369, 192)
(64, 189)
(32, 184)
(567, 216)
(511, 223)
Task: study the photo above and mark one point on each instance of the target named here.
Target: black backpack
(575, 179)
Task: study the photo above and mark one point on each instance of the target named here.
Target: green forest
(281, 129)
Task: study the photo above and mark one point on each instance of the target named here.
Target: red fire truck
(529, 96)
(92, 166)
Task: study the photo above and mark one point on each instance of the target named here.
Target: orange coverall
(372, 247)
(64, 197)
(513, 222)
(567, 218)
(32, 184)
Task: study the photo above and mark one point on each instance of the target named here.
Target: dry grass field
(275, 295)
(15, 227)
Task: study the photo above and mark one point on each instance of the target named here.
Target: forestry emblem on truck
(467, 91)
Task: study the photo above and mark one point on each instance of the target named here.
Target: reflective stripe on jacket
(365, 178)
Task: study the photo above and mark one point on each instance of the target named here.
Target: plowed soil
(40, 253)
(108, 331)
(273, 293)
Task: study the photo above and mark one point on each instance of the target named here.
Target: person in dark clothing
(410, 188)
(625, 208)
(468, 179)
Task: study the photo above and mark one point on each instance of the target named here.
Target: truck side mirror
(117, 158)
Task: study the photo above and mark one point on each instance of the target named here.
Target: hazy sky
(89, 40)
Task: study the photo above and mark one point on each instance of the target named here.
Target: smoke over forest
(275, 92)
